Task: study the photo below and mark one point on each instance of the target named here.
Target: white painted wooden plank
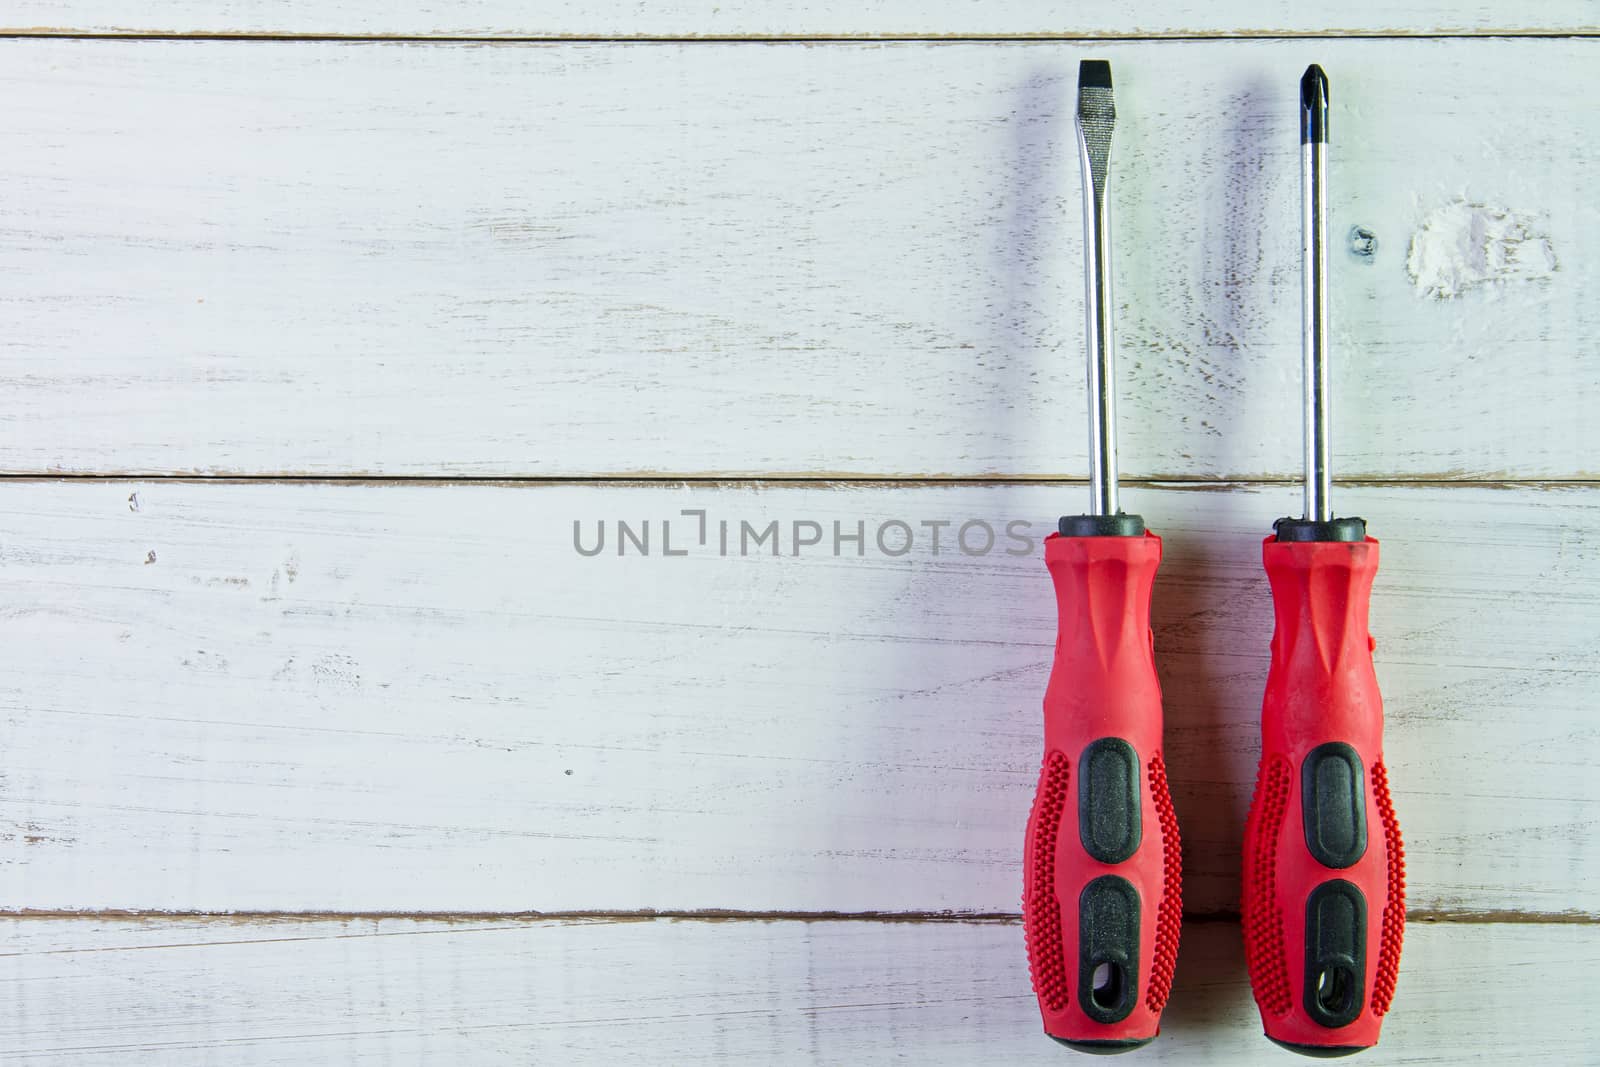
(828, 18)
(421, 698)
(403, 991)
(566, 259)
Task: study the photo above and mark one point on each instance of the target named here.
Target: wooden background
(324, 325)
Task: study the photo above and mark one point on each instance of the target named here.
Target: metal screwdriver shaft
(1097, 115)
(1314, 308)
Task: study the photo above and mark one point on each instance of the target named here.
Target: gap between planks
(53, 34)
(810, 480)
(1495, 917)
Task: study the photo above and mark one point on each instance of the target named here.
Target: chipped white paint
(408, 698)
(585, 259)
(174, 992)
(1462, 245)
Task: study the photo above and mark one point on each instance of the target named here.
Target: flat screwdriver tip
(1097, 114)
(1094, 74)
(1314, 106)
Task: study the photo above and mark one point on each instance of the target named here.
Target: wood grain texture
(421, 698)
(398, 991)
(815, 18)
(280, 258)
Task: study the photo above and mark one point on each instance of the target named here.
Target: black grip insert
(1333, 804)
(1108, 800)
(1336, 953)
(1108, 949)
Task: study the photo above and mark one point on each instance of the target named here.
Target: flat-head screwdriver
(1324, 871)
(1101, 899)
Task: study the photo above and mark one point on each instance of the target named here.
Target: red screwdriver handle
(1324, 872)
(1102, 901)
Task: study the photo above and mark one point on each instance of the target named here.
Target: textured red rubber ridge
(1394, 912)
(1169, 919)
(1263, 919)
(1041, 912)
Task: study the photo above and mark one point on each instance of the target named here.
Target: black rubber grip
(1336, 953)
(1118, 525)
(1333, 805)
(1108, 800)
(1108, 949)
(1316, 530)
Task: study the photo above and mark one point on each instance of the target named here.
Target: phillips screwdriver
(1324, 872)
(1101, 896)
